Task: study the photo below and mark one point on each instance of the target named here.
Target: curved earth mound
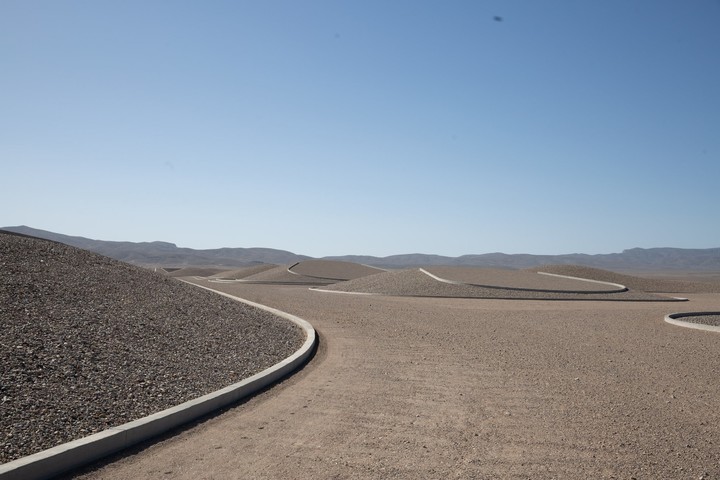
(415, 283)
(281, 275)
(87, 343)
(630, 281)
(518, 279)
(333, 269)
(243, 272)
(196, 271)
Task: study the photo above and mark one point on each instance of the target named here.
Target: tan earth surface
(466, 388)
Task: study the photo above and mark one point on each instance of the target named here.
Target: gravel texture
(712, 320)
(87, 343)
(415, 283)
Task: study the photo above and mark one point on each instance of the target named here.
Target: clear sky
(364, 127)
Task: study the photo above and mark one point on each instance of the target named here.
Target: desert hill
(169, 254)
(165, 253)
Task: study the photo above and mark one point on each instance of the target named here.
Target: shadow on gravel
(317, 355)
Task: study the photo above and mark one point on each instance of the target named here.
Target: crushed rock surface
(712, 320)
(88, 343)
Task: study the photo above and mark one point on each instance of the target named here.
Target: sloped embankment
(87, 343)
(333, 270)
(630, 281)
(415, 283)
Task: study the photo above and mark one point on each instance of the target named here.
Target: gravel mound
(517, 279)
(281, 276)
(242, 272)
(630, 281)
(415, 283)
(333, 269)
(196, 271)
(87, 343)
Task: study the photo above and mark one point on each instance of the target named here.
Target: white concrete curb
(289, 269)
(673, 319)
(443, 280)
(59, 459)
(324, 290)
(618, 288)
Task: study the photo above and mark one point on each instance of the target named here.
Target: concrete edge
(511, 299)
(67, 456)
(325, 290)
(672, 318)
(443, 280)
(621, 287)
(305, 275)
(289, 269)
(618, 288)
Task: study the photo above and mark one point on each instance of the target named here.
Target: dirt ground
(464, 388)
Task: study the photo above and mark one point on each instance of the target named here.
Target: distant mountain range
(170, 255)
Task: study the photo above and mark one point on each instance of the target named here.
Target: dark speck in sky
(497, 18)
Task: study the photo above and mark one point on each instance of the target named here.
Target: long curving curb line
(673, 319)
(618, 288)
(71, 455)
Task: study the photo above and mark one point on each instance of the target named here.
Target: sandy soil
(465, 388)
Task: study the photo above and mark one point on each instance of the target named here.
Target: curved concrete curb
(313, 276)
(59, 459)
(315, 289)
(618, 288)
(673, 319)
(289, 269)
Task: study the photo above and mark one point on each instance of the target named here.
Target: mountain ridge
(161, 253)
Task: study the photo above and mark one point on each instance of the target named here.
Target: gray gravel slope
(87, 343)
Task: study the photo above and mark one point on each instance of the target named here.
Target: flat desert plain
(418, 387)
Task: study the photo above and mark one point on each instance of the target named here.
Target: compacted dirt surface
(465, 388)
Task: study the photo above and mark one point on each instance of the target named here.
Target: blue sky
(373, 127)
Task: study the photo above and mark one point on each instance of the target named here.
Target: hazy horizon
(374, 128)
(353, 254)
